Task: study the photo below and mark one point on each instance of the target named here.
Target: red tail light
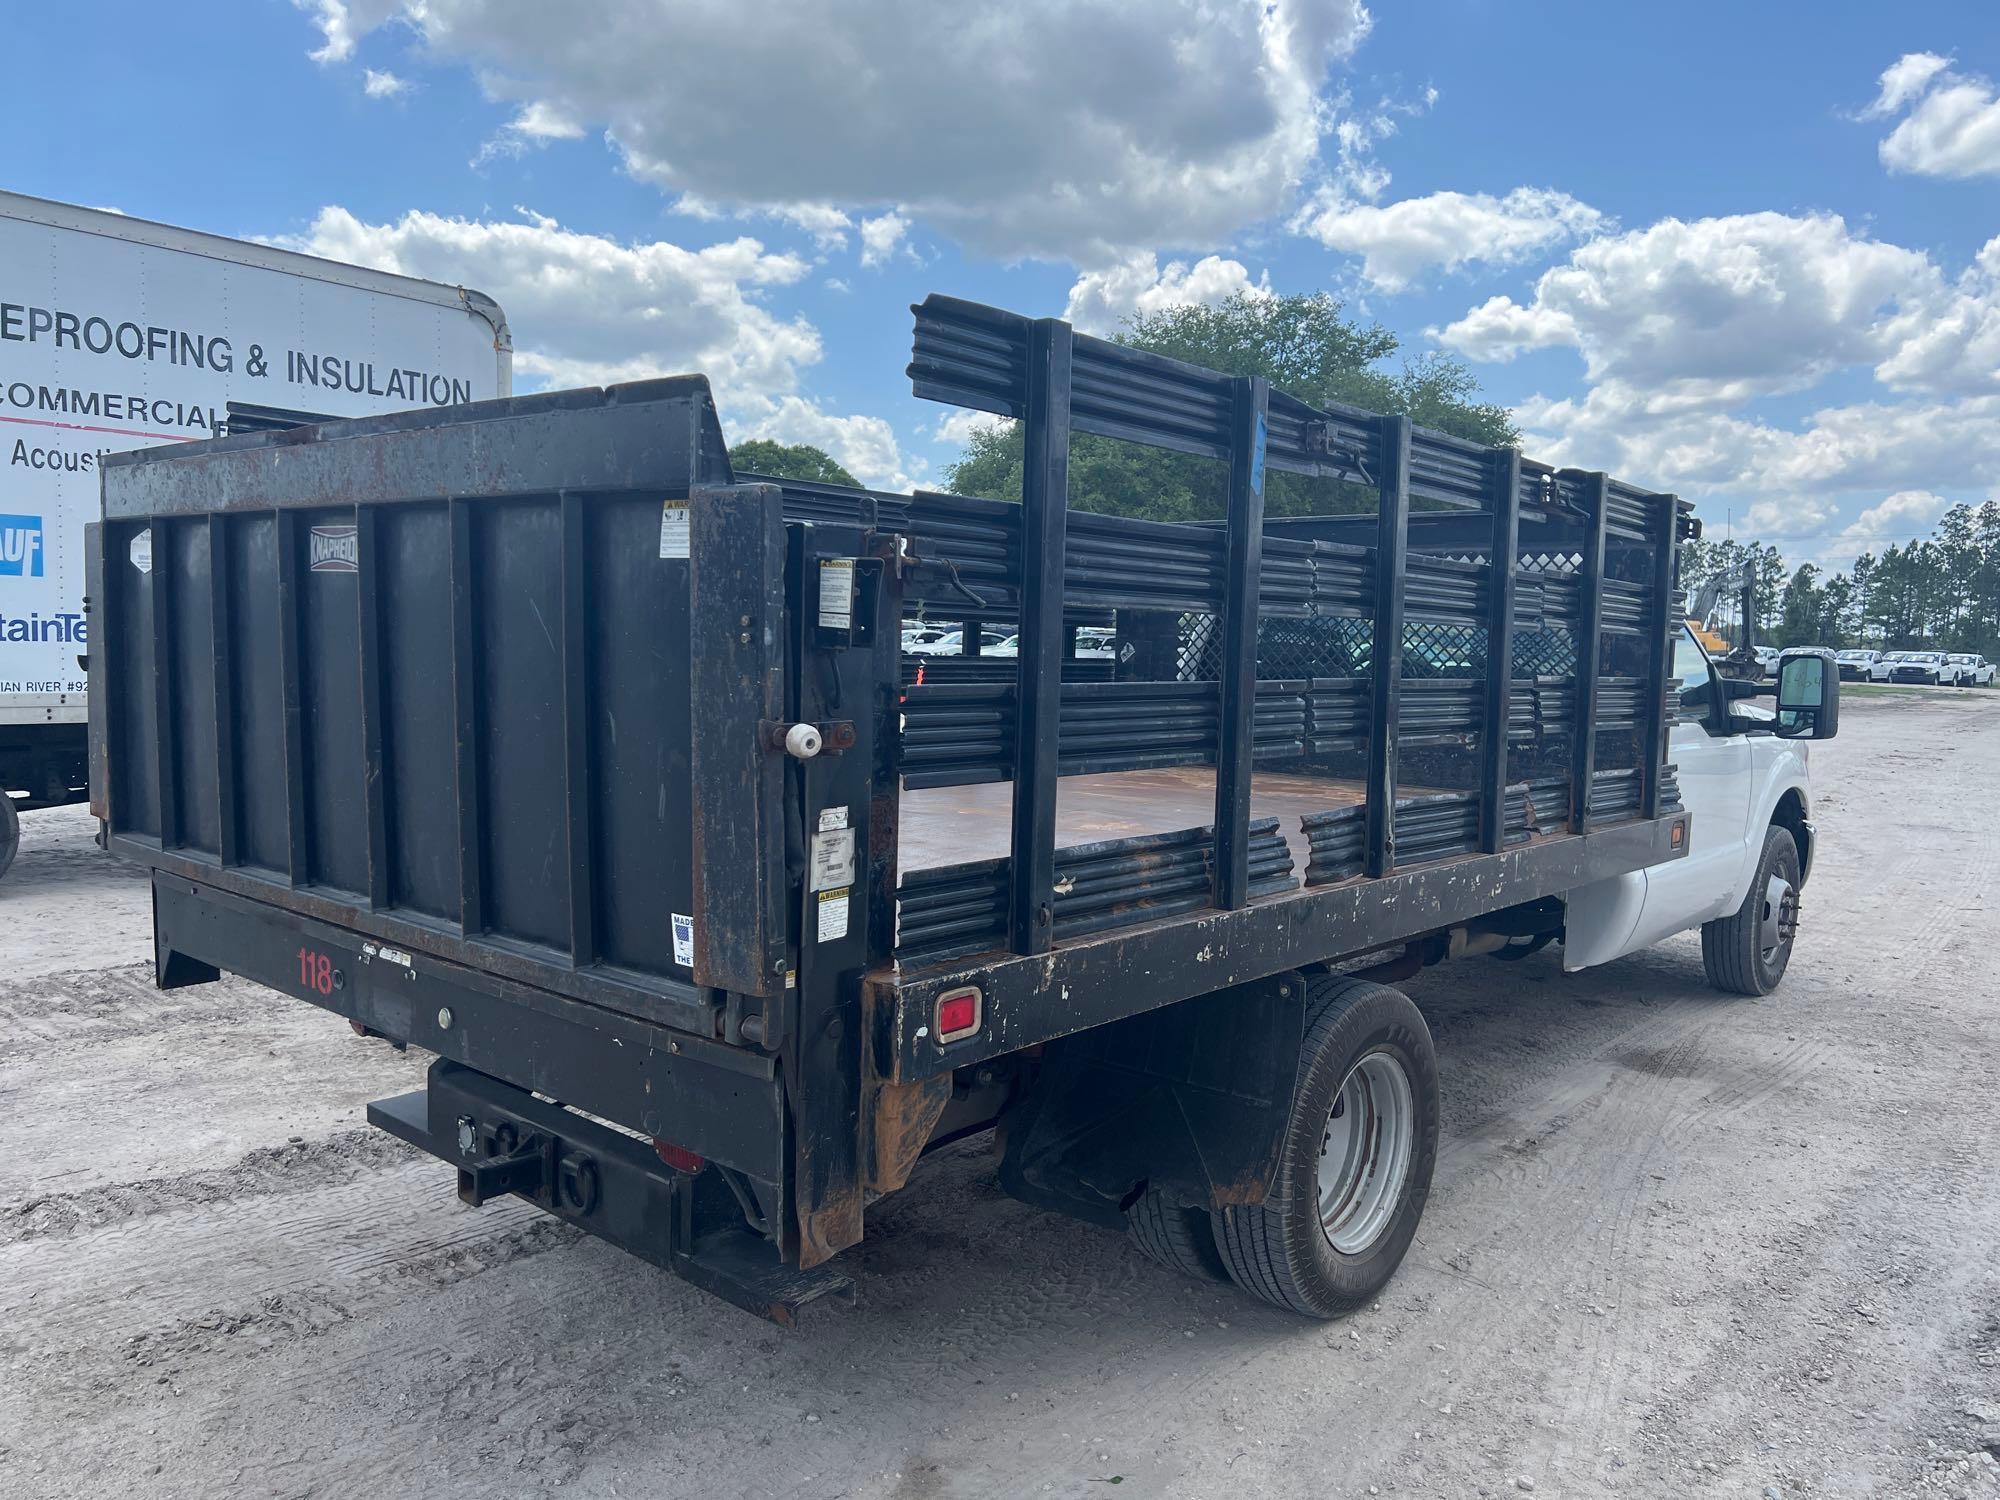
(958, 1013)
(678, 1157)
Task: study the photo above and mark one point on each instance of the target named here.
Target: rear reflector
(958, 1013)
(678, 1157)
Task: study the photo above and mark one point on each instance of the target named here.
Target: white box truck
(117, 333)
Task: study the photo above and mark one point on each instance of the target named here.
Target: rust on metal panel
(831, 1228)
(900, 1124)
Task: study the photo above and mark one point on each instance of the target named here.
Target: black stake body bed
(530, 734)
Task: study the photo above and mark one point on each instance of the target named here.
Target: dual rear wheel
(1354, 1172)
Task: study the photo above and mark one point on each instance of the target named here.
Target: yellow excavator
(1705, 607)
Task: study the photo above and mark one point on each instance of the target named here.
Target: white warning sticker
(141, 551)
(832, 858)
(833, 914)
(683, 940)
(836, 593)
(674, 529)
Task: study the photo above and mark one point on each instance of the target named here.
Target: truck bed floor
(958, 824)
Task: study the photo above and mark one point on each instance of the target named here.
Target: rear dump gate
(525, 733)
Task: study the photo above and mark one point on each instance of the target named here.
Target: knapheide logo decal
(21, 547)
(335, 550)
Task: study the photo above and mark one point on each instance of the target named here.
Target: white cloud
(1719, 310)
(589, 310)
(881, 236)
(960, 426)
(535, 125)
(1905, 515)
(382, 85)
(1685, 329)
(864, 446)
(826, 224)
(1103, 300)
(1788, 515)
(1955, 345)
(1866, 445)
(1952, 128)
(540, 120)
(1400, 242)
(1501, 328)
(698, 208)
(1904, 80)
(1073, 128)
(344, 22)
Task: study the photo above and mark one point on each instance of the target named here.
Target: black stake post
(1392, 539)
(1589, 632)
(1660, 621)
(1499, 651)
(1235, 754)
(1044, 517)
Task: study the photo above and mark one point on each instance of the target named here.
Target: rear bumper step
(503, 1140)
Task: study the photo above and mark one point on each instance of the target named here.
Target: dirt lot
(1678, 1244)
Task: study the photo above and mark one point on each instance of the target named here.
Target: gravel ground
(1678, 1244)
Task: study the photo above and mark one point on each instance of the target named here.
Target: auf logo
(20, 546)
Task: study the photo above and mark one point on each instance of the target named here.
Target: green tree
(1940, 592)
(1769, 564)
(1799, 608)
(772, 460)
(1836, 613)
(1303, 346)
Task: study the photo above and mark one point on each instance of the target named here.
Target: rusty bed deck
(958, 824)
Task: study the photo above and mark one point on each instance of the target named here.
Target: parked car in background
(1973, 671)
(952, 643)
(1922, 666)
(1767, 660)
(1863, 666)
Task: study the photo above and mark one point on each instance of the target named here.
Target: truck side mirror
(1808, 695)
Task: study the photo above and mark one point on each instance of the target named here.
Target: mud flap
(1190, 1099)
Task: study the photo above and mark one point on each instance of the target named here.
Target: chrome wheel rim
(1780, 918)
(1364, 1159)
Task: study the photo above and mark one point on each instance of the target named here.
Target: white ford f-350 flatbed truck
(645, 796)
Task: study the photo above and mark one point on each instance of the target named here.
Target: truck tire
(1181, 1239)
(1354, 1172)
(10, 832)
(1746, 952)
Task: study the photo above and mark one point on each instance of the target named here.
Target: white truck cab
(1973, 670)
(1932, 667)
(1863, 666)
(1750, 838)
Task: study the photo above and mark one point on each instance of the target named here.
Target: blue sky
(1747, 251)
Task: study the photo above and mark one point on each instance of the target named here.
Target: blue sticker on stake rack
(1257, 458)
